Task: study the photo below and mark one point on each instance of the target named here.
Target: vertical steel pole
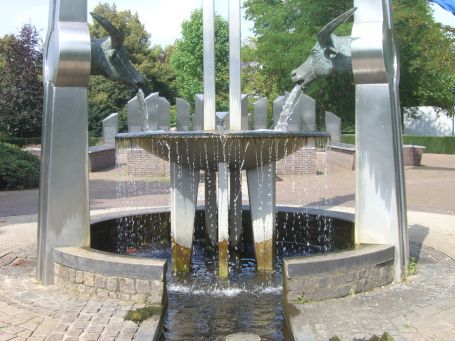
(235, 110)
(209, 65)
(63, 203)
(380, 187)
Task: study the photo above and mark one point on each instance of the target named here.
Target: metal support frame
(64, 204)
(209, 65)
(380, 187)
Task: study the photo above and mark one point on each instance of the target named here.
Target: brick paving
(422, 308)
(30, 311)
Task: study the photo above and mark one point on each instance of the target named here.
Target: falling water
(288, 109)
(143, 114)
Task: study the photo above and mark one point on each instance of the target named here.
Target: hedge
(18, 169)
(21, 142)
(433, 144)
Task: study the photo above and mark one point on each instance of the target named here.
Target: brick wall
(143, 163)
(302, 161)
(91, 284)
(341, 157)
(412, 155)
(101, 158)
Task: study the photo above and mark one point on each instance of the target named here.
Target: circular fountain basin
(204, 150)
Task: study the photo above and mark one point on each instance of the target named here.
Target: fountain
(67, 242)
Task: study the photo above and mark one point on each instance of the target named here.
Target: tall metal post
(235, 105)
(453, 111)
(209, 65)
(63, 204)
(380, 187)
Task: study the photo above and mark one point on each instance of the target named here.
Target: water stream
(288, 109)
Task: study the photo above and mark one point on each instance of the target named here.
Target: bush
(433, 144)
(18, 169)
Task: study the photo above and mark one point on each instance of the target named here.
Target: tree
(21, 87)
(286, 31)
(106, 96)
(187, 59)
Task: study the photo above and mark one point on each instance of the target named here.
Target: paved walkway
(421, 308)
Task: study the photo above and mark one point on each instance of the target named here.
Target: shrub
(18, 169)
(433, 144)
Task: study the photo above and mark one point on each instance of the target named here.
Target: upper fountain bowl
(204, 150)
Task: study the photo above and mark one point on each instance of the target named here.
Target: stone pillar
(380, 187)
(135, 123)
(63, 219)
(211, 209)
(164, 114)
(262, 192)
(198, 117)
(277, 109)
(152, 103)
(183, 115)
(260, 114)
(184, 188)
(223, 219)
(333, 127)
(110, 129)
(244, 112)
(235, 212)
(307, 108)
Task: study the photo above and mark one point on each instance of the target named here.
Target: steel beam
(380, 187)
(63, 204)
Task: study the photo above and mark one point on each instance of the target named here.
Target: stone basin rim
(227, 134)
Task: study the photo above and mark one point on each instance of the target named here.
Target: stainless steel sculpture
(110, 59)
(380, 187)
(331, 54)
(63, 204)
(69, 59)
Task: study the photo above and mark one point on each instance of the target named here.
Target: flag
(448, 5)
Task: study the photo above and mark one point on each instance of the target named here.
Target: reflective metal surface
(235, 106)
(209, 118)
(63, 203)
(380, 187)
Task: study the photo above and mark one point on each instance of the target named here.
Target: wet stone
(243, 337)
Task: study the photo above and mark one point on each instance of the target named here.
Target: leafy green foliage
(286, 31)
(18, 169)
(106, 96)
(142, 314)
(21, 88)
(187, 59)
(432, 144)
(427, 56)
(412, 266)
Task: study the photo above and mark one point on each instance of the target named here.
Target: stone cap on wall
(363, 255)
(110, 264)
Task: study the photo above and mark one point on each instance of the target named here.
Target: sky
(162, 18)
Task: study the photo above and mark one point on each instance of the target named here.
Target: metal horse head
(330, 54)
(110, 58)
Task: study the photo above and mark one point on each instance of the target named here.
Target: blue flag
(448, 5)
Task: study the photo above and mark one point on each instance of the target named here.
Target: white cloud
(442, 16)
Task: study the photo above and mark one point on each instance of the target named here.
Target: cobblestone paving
(422, 308)
(29, 311)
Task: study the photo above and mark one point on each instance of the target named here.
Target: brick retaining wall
(92, 284)
(143, 163)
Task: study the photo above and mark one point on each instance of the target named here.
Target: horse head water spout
(110, 58)
(331, 54)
